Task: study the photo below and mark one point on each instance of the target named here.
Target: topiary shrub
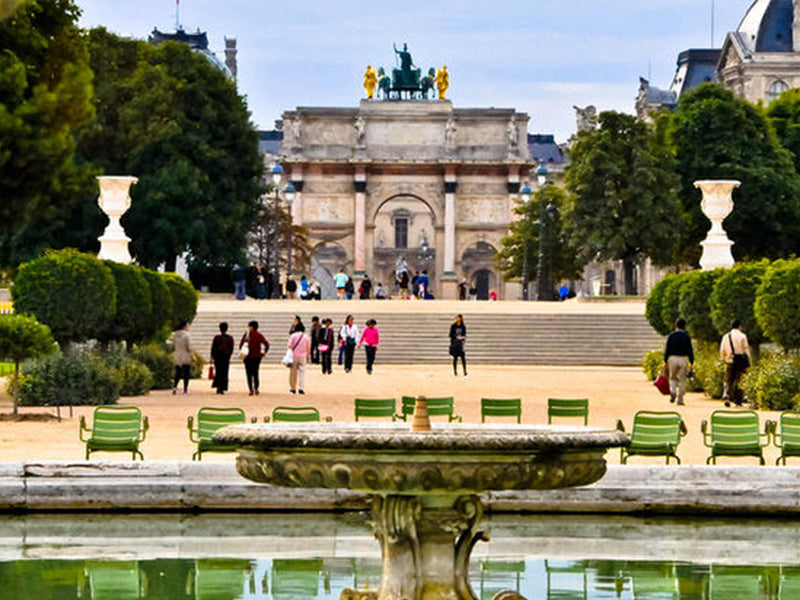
(671, 300)
(70, 292)
(135, 379)
(777, 305)
(773, 382)
(734, 297)
(652, 363)
(693, 304)
(161, 306)
(709, 369)
(22, 338)
(133, 316)
(158, 361)
(654, 307)
(74, 378)
(184, 299)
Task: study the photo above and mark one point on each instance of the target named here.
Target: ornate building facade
(416, 180)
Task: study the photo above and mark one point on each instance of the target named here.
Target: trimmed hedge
(70, 292)
(773, 383)
(654, 306)
(161, 306)
(695, 290)
(777, 306)
(671, 300)
(734, 297)
(159, 361)
(133, 316)
(135, 379)
(184, 299)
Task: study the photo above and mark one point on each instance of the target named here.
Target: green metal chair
(375, 408)
(652, 580)
(437, 407)
(114, 580)
(114, 429)
(209, 420)
(735, 433)
(566, 580)
(568, 408)
(655, 433)
(296, 414)
(298, 578)
(501, 407)
(216, 578)
(735, 582)
(788, 438)
(789, 583)
(500, 575)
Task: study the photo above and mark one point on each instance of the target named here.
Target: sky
(537, 56)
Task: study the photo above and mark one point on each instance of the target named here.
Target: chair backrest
(790, 427)
(656, 427)
(501, 407)
(375, 407)
(734, 427)
(568, 407)
(294, 414)
(210, 419)
(437, 407)
(116, 423)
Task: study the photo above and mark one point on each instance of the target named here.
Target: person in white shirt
(349, 335)
(735, 353)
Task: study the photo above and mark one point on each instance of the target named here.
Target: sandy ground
(614, 393)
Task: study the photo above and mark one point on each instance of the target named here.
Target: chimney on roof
(230, 55)
(796, 26)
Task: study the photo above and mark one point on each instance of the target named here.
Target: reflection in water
(314, 557)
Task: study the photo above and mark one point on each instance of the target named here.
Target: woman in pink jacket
(370, 339)
(300, 346)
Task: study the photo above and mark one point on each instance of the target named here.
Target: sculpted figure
(297, 129)
(450, 131)
(586, 117)
(513, 132)
(384, 82)
(370, 81)
(442, 81)
(406, 63)
(428, 82)
(361, 130)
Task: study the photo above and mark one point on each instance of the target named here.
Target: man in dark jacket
(679, 358)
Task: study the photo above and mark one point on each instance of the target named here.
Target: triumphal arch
(403, 178)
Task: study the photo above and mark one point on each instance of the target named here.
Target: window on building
(776, 89)
(401, 232)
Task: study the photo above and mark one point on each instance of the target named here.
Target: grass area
(6, 368)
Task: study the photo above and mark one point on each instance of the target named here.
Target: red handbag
(211, 372)
(662, 383)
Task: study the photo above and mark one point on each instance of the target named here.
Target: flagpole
(177, 15)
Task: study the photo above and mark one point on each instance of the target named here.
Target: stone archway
(477, 263)
(403, 230)
(327, 259)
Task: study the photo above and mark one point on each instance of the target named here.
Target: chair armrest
(329, 419)
(193, 433)
(145, 427)
(704, 430)
(267, 419)
(458, 418)
(83, 428)
(620, 425)
(254, 419)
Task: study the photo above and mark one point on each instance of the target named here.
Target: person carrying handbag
(299, 345)
(325, 340)
(349, 334)
(257, 348)
(678, 359)
(735, 353)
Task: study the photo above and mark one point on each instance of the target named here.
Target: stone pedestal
(717, 203)
(114, 200)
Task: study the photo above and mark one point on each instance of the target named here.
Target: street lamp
(288, 196)
(277, 178)
(544, 285)
(526, 194)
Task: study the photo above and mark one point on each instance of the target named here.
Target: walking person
(325, 345)
(349, 288)
(182, 356)
(261, 282)
(314, 334)
(370, 339)
(458, 336)
(299, 345)
(365, 289)
(221, 351)
(340, 280)
(291, 287)
(257, 348)
(473, 291)
(239, 278)
(349, 333)
(678, 358)
(734, 351)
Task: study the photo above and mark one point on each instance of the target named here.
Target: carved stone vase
(717, 204)
(114, 200)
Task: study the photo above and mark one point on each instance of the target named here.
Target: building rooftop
(767, 26)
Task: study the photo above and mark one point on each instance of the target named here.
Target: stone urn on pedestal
(717, 204)
(114, 200)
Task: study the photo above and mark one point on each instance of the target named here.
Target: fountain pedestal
(424, 486)
(717, 203)
(114, 200)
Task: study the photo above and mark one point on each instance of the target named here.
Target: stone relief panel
(481, 187)
(475, 134)
(406, 133)
(330, 185)
(329, 131)
(328, 209)
(482, 210)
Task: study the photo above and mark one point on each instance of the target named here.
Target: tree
(777, 309)
(45, 98)
(22, 338)
(784, 114)
(172, 118)
(264, 243)
(693, 303)
(720, 136)
(524, 235)
(622, 187)
(70, 292)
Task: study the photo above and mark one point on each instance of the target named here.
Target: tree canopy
(719, 136)
(622, 187)
(22, 338)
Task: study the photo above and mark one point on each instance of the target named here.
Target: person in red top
(257, 348)
(370, 339)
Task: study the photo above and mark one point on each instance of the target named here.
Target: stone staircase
(524, 339)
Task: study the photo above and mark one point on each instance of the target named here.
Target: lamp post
(277, 177)
(288, 196)
(544, 285)
(526, 194)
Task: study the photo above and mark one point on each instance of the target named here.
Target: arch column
(297, 206)
(360, 233)
(449, 279)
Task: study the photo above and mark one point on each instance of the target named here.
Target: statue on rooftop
(370, 81)
(442, 81)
